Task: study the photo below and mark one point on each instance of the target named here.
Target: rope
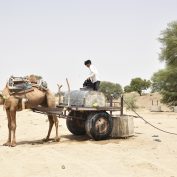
(138, 116)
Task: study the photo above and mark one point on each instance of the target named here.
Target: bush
(130, 102)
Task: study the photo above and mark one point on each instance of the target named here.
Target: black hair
(87, 62)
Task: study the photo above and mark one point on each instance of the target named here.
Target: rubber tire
(91, 129)
(76, 126)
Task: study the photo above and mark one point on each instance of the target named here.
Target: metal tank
(85, 98)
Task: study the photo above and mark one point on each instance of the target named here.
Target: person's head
(88, 63)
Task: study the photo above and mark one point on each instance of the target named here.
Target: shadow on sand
(69, 139)
(64, 139)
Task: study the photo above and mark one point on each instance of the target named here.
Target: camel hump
(33, 79)
(38, 82)
(50, 99)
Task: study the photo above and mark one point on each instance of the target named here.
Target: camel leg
(51, 122)
(55, 119)
(13, 127)
(8, 143)
(52, 119)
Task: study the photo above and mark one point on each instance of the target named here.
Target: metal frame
(61, 110)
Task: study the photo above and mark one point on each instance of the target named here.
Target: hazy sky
(52, 38)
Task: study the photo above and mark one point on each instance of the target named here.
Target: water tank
(85, 98)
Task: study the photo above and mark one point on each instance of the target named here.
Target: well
(155, 108)
(123, 126)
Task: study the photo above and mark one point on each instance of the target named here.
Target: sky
(53, 38)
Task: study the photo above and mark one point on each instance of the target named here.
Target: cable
(149, 122)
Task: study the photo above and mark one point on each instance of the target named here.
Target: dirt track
(139, 156)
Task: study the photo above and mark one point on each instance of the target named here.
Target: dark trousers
(96, 86)
(88, 84)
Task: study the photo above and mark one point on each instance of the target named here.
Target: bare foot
(57, 139)
(7, 144)
(13, 144)
(45, 140)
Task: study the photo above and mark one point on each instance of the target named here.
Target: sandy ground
(138, 156)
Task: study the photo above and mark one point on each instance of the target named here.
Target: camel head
(4, 95)
(1, 98)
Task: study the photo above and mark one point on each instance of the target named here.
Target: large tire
(99, 126)
(74, 125)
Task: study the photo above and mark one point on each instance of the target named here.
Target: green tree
(110, 89)
(138, 85)
(168, 40)
(165, 80)
(127, 89)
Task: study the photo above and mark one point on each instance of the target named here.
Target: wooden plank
(48, 110)
(77, 108)
(95, 108)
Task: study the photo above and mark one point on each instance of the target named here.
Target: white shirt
(94, 75)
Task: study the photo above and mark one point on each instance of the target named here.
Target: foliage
(168, 40)
(138, 85)
(127, 89)
(110, 89)
(165, 80)
(130, 102)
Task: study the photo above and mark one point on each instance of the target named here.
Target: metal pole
(122, 106)
(59, 93)
(69, 93)
(111, 103)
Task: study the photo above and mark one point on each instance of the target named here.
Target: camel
(13, 103)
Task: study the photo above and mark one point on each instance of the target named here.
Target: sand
(140, 156)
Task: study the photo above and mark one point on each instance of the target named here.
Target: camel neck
(1, 100)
